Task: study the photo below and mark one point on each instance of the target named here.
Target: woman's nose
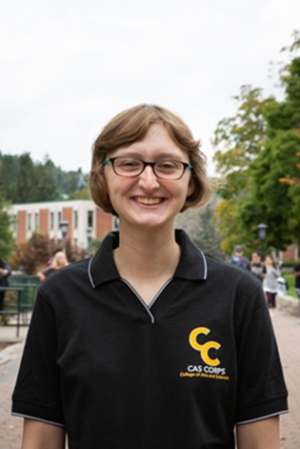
(147, 178)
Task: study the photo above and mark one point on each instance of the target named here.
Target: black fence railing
(19, 300)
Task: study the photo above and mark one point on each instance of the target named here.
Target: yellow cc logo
(204, 349)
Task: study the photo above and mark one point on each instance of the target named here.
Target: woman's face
(269, 260)
(146, 200)
(60, 259)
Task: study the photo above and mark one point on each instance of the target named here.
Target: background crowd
(268, 272)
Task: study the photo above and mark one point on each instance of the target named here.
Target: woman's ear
(191, 187)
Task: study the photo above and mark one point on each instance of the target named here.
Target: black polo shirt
(179, 373)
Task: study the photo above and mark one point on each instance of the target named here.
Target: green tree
(238, 140)
(33, 254)
(83, 194)
(201, 226)
(9, 167)
(6, 234)
(259, 158)
(26, 181)
(46, 188)
(275, 173)
(275, 196)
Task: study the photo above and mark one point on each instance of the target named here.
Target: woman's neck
(147, 253)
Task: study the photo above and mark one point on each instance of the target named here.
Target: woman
(256, 266)
(270, 287)
(59, 261)
(150, 344)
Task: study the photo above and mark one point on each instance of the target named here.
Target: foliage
(24, 181)
(74, 253)
(36, 252)
(6, 234)
(95, 244)
(230, 226)
(290, 278)
(273, 200)
(83, 194)
(238, 140)
(289, 264)
(201, 227)
(31, 254)
(258, 152)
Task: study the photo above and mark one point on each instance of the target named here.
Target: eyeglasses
(132, 167)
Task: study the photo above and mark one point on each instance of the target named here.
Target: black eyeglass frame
(145, 163)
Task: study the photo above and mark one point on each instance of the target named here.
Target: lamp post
(89, 231)
(63, 226)
(262, 231)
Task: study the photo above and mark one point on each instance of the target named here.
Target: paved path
(287, 330)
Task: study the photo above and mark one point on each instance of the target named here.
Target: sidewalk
(287, 329)
(10, 427)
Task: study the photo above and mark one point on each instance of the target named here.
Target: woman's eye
(167, 165)
(129, 163)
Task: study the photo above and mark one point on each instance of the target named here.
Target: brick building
(291, 254)
(84, 217)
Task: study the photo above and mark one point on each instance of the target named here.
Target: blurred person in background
(239, 260)
(270, 275)
(59, 261)
(256, 266)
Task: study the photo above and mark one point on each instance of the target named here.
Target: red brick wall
(44, 221)
(67, 214)
(21, 229)
(103, 223)
(290, 254)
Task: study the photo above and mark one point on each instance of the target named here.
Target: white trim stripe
(20, 415)
(205, 264)
(262, 417)
(89, 272)
(140, 299)
(159, 292)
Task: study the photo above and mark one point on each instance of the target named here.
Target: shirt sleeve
(261, 390)
(37, 393)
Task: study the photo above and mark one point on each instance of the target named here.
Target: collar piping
(90, 274)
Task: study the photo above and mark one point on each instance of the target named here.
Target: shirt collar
(192, 264)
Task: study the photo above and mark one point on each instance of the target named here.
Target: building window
(36, 221)
(90, 219)
(75, 242)
(29, 224)
(15, 223)
(58, 218)
(51, 220)
(75, 219)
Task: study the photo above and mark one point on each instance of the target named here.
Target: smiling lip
(149, 201)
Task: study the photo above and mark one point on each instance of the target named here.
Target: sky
(68, 66)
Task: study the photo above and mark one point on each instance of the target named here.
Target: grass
(290, 278)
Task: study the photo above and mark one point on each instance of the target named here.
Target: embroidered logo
(204, 349)
(210, 368)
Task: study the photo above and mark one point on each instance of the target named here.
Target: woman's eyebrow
(157, 154)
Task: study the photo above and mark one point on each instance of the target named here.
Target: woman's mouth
(148, 201)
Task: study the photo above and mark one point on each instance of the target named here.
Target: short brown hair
(132, 125)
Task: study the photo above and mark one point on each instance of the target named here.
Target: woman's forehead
(157, 141)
